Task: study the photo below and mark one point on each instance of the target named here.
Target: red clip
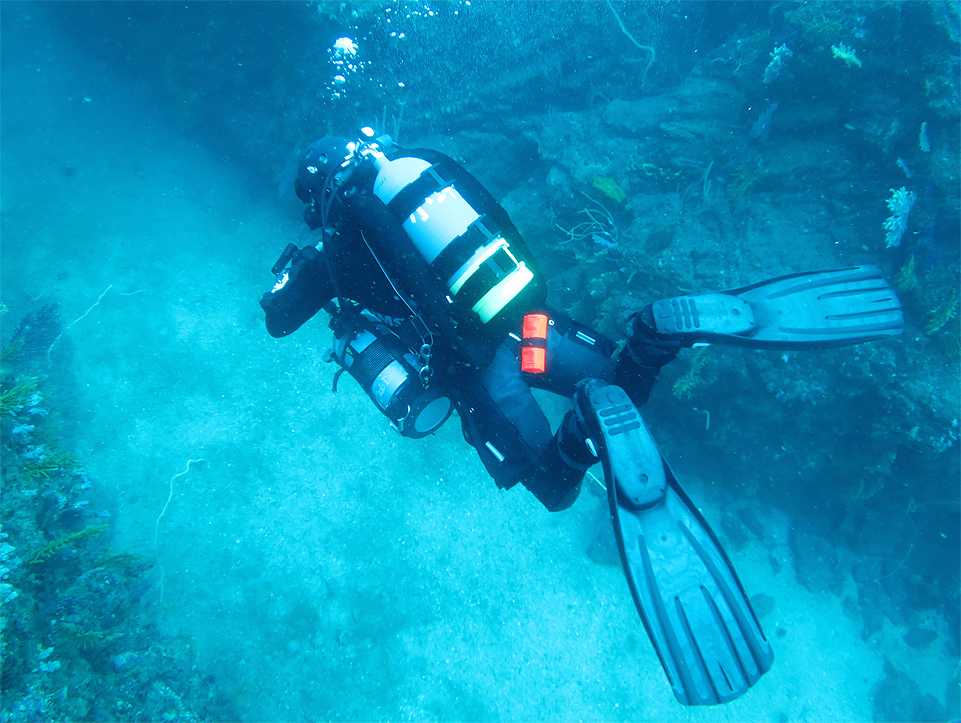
(535, 326)
(534, 344)
(533, 359)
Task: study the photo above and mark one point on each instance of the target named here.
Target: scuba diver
(436, 304)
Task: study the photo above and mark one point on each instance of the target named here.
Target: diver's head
(318, 167)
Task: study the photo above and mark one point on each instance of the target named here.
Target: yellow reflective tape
(481, 255)
(497, 298)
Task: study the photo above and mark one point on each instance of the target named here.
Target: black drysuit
(368, 260)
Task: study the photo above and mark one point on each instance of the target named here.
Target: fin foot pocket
(631, 453)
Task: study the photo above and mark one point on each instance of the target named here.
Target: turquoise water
(298, 560)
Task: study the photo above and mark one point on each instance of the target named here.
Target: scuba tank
(456, 267)
(464, 250)
(389, 372)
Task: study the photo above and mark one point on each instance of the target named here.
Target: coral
(773, 69)
(924, 142)
(900, 205)
(846, 54)
(822, 19)
(14, 398)
(86, 640)
(49, 465)
(11, 350)
(653, 171)
(156, 528)
(600, 229)
(72, 615)
(907, 278)
(903, 165)
(865, 489)
(941, 93)
(950, 342)
(646, 48)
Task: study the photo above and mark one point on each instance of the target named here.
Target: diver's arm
(299, 294)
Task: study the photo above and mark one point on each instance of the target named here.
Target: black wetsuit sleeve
(307, 289)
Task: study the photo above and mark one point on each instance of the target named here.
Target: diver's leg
(556, 482)
(641, 359)
(503, 422)
(574, 352)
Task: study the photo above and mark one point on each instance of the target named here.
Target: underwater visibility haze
(197, 526)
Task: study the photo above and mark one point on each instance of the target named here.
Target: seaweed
(609, 187)
(942, 314)
(44, 553)
(52, 464)
(742, 181)
(684, 385)
(13, 398)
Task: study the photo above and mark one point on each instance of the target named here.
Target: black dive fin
(816, 309)
(689, 597)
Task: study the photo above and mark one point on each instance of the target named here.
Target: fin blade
(825, 308)
(693, 606)
(818, 309)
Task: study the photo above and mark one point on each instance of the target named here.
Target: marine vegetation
(609, 187)
(70, 538)
(78, 642)
(907, 278)
(684, 386)
(942, 314)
